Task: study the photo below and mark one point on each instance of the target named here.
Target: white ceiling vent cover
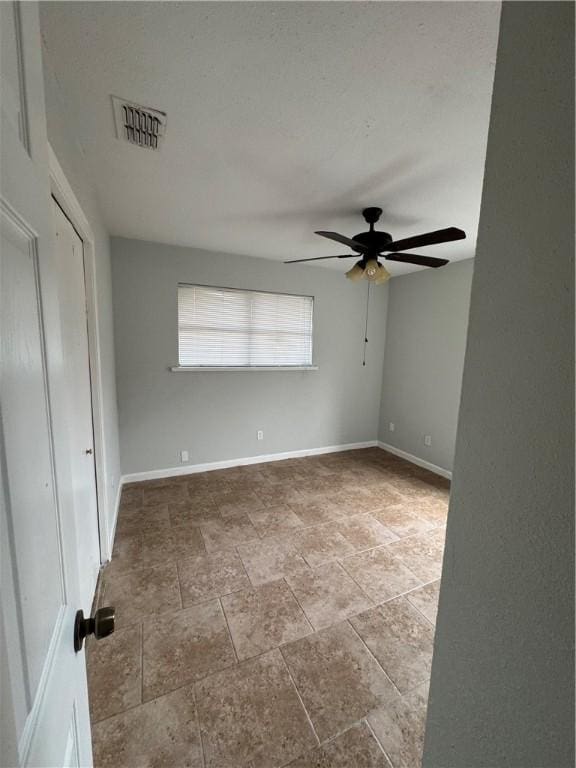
(138, 125)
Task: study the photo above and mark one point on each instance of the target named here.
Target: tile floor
(271, 615)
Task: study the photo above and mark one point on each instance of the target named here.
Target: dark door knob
(100, 625)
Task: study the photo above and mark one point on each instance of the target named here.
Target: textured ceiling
(283, 118)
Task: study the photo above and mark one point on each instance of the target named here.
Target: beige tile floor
(271, 615)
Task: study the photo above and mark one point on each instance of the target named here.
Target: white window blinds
(225, 327)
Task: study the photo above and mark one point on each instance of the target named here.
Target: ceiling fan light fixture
(382, 276)
(372, 269)
(356, 273)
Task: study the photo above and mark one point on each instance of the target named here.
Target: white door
(69, 259)
(45, 720)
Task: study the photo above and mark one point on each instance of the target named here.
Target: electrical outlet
(183, 457)
(260, 434)
(427, 439)
(391, 426)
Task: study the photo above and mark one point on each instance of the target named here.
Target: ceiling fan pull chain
(366, 324)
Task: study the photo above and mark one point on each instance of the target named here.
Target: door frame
(67, 200)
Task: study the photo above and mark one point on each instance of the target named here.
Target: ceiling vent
(138, 125)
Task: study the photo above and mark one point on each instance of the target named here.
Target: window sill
(228, 369)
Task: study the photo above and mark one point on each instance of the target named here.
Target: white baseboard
(189, 469)
(416, 460)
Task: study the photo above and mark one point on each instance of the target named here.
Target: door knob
(88, 451)
(101, 625)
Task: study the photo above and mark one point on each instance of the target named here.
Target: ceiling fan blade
(430, 238)
(319, 258)
(344, 240)
(412, 258)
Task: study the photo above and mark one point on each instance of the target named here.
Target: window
(225, 327)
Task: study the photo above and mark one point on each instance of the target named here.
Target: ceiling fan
(373, 245)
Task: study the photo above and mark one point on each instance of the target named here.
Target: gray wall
(73, 164)
(215, 416)
(424, 359)
(503, 671)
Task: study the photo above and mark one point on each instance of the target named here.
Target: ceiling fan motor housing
(374, 241)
